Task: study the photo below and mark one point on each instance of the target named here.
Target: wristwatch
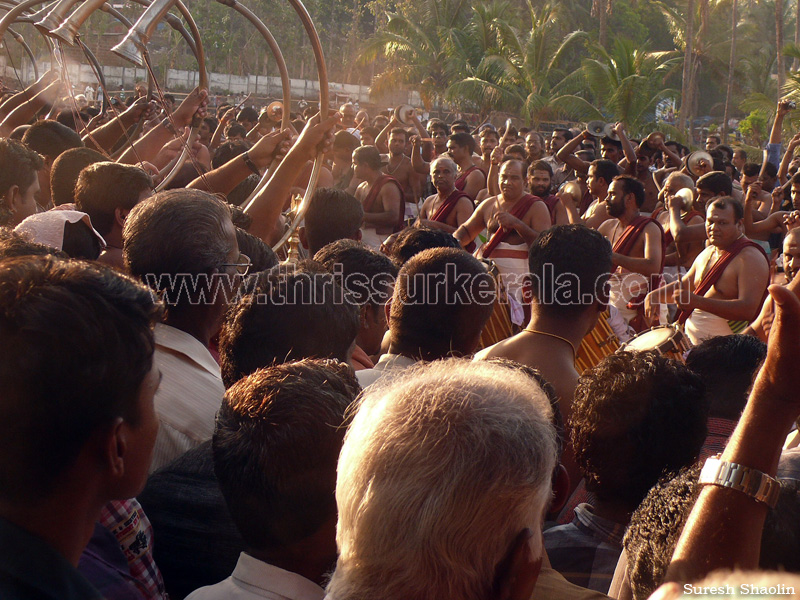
(250, 164)
(759, 486)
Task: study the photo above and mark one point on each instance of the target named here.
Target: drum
(499, 325)
(596, 345)
(667, 340)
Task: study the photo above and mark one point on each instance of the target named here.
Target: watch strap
(759, 486)
(250, 164)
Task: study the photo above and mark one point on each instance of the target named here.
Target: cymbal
(596, 128)
(401, 111)
(573, 188)
(699, 163)
(686, 195)
(609, 132)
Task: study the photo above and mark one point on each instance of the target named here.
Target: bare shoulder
(607, 226)
(752, 258)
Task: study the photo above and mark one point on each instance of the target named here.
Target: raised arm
(566, 153)
(151, 143)
(9, 104)
(28, 109)
(106, 136)
(226, 177)
(725, 525)
(267, 206)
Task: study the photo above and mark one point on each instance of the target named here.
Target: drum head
(650, 340)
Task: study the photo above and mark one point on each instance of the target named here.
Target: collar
(608, 531)
(251, 572)
(179, 342)
(394, 361)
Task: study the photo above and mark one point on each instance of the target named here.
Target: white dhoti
(702, 325)
(512, 262)
(624, 287)
(372, 239)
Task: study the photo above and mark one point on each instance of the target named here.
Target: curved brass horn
(68, 29)
(322, 72)
(55, 16)
(141, 32)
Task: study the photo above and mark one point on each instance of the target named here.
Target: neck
(304, 563)
(465, 163)
(628, 217)
(612, 511)
(196, 321)
(444, 193)
(510, 200)
(65, 522)
(372, 176)
(571, 329)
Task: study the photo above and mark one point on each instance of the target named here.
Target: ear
(12, 197)
(366, 315)
(518, 572)
(560, 487)
(387, 308)
(301, 231)
(115, 448)
(120, 214)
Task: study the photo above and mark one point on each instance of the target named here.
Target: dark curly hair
(657, 524)
(636, 416)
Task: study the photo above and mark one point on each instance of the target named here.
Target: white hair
(441, 469)
(445, 161)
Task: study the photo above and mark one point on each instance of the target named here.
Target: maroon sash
(461, 182)
(369, 201)
(448, 205)
(668, 238)
(625, 245)
(551, 202)
(715, 272)
(586, 201)
(519, 210)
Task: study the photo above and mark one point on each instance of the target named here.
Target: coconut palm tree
(628, 82)
(518, 69)
(415, 47)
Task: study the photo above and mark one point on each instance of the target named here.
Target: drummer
(560, 319)
(726, 285)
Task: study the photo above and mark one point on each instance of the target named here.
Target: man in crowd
(331, 215)
(449, 207)
(196, 275)
(514, 219)
(442, 299)
(471, 179)
(49, 139)
(561, 171)
(540, 177)
(460, 430)
(635, 417)
(600, 175)
(71, 438)
(638, 249)
(368, 277)
(107, 191)
(381, 196)
(276, 444)
(725, 287)
(19, 182)
(398, 165)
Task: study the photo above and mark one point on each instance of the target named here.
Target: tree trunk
(602, 8)
(795, 62)
(687, 68)
(731, 64)
(779, 44)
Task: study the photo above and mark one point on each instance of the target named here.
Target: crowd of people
(490, 363)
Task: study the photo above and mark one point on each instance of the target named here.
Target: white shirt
(189, 396)
(253, 578)
(385, 365)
